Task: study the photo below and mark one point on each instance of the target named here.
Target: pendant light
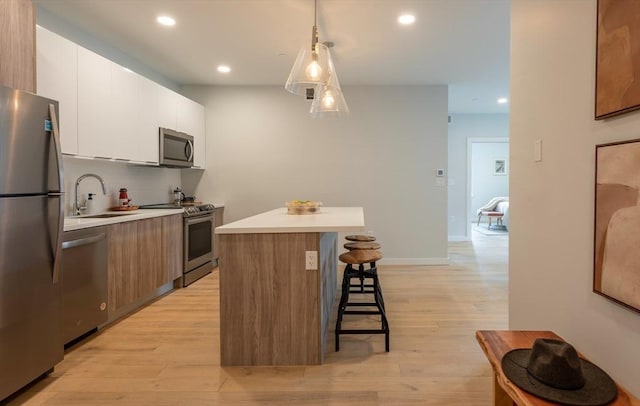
(313, 69)
(328, 100)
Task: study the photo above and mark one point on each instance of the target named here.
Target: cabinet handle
(83, 241)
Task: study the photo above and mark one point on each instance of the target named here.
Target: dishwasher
(84, 281)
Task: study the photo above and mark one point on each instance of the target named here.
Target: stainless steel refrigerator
(31, 226)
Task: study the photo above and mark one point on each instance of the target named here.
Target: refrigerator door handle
(58, 244)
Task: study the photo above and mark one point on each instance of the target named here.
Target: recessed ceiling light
(407, 19)
(502, 100)
(224, 69)
(166, 21)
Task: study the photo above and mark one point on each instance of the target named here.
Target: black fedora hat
(552, 370)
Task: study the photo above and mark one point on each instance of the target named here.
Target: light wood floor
(168, 352)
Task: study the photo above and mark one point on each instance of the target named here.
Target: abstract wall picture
(499, 166)
(617, 223)
(617, 58)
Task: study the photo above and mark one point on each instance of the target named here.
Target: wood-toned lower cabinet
(151, 273)
(123, 262)
(143, 256)
(172, 229)
(219, 220)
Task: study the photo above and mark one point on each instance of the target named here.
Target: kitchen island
(275, 300)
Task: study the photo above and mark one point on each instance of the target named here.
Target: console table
(497, 343)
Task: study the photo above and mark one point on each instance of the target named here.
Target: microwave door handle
(188, 149)
(57, 251)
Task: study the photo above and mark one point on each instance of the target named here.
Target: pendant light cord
(314, 31)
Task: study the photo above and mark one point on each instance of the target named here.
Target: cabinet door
(17, 44)
(147, 131)
(123, 261)
(150, 271)
(94, 105)
(172, 245)
(167, 108)
(191, 121)
(57, 63)
(123, 122)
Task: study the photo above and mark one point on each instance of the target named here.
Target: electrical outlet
(311, 260)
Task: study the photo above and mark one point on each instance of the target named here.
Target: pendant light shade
(312, 67)
(328, 100)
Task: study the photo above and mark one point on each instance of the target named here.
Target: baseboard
(414, 261)
(456, 238)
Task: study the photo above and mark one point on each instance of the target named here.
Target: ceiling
(462, 43)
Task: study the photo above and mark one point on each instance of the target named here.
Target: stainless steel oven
(199, 224)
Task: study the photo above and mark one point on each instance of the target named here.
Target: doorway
(487, 174)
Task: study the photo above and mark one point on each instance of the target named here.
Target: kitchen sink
(103, 215)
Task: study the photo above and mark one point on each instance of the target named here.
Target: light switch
(537, 151)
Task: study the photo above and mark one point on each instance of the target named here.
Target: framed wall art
(500, 166)
(617, 58)
(616, 264)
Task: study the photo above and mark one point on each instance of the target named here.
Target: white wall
(263, 149)
(462, 127)
(552, 201)
(145, 185)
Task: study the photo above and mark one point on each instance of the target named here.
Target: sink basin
(103, 215)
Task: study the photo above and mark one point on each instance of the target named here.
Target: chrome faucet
(77, 209)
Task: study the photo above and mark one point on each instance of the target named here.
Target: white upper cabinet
(191, 121)
(167, 108)
(125, 106)
(148, 135)
(108, 111)
(57, 66)
(94, 105)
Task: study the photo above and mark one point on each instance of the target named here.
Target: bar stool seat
(359, 258)
(362, 246)
(361, 238)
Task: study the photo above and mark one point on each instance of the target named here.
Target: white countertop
(329, 219)
(77, 223)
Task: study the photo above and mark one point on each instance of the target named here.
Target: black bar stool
(361, 257)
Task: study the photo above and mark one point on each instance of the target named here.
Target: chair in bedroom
(497, 209)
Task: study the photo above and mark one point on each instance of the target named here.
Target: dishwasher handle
(83, 241)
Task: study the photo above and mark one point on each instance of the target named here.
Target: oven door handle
(195, 220)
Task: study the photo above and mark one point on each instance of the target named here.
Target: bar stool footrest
(363, 332)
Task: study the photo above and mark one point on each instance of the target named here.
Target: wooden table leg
(500, 397)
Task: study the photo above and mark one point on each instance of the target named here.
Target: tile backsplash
(145, 184)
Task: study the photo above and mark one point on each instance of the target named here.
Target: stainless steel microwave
(176, 149)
